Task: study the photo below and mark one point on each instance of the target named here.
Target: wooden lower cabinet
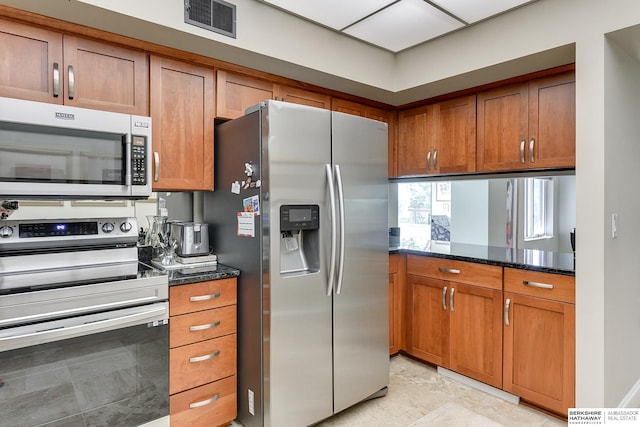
(202, 354)
(396, 302)
(454, 324)
(539, 338)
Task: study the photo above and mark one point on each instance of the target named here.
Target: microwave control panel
(138, 160)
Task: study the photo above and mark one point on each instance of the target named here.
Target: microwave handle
(127, 160)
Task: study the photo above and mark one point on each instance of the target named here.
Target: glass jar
(156, 236)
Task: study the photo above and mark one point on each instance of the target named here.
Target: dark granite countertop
(183, 276)
(526, 259)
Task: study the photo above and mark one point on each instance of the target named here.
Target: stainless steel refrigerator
(300, 207)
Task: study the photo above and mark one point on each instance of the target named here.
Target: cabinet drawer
(201, 296)
(488, 276)
(202, 325)
(209, 405)
(200, 363)
(393, 263)
(557, 287)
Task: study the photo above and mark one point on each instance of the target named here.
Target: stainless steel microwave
(54, 151)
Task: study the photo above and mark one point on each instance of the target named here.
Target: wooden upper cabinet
(236, 92)
(455, 136)
(416, 141)
(182, 102)
(45, 66)
(528, 126)
(303, 97)
(386, 116)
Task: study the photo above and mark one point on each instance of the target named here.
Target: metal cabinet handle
(532, 157)
(204, 357)
(522, 151)
(204, 402)
(435, 159)
(72, 82)
(203, 327)
(444, 298)
(451, 298)
(56, 80)
(449, 270)
(204, 297)
(156, 161)
(429, 160)
(507, 303)
(537, 284)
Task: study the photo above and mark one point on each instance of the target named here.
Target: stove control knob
(6, 231)
(107, 227)
(126, 227)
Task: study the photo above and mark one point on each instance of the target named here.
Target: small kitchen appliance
(192, 238)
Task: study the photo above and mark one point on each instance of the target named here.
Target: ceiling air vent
(214, 15)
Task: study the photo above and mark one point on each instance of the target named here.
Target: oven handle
(33, 334)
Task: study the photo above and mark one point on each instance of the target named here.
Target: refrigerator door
(360, 305)
(298, 359)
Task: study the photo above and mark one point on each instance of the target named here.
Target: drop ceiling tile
(403, 25)
(472, 11)
(336, 14)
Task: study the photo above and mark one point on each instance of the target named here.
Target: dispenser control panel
(299, 217)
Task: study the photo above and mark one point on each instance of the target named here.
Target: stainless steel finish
(127, 153)
(204, 297)
(449, 270)
(204, 327)
(537, 284)
(192, 238)
(156, 163)
(522, 151)
(429, 160)
(334, 230)
(56, 80)
(444, 298)
(506, 311)
(435, 159)
(532, 157)
(25, 336)
(341, 233)
(72, 82)
(204, 357)
(451, 298)
(204, 402)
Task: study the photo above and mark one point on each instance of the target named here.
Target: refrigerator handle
(334, 230)
(341, 234)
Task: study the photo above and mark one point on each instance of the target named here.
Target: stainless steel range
(83, 332)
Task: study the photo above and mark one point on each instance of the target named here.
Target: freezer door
(360, 309)
(298, 358)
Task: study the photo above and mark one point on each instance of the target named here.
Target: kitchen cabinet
(438, 138)
(539, 338)
(182, 103)
(528, 125)
(236, 92)
(202, 355)
(454, 316)
(397, 268)
(389, 117)
(47, 66)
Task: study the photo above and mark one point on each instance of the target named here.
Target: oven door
(107, 368)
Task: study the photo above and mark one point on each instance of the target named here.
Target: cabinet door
(502, 128)
(303, 97)
(237, 92)
(415, 141)
(428, 323)
(182, 113)
(476, 332)
(105, 77)
(455, 135)
(539, 351)
(552, 121)
(28, 56)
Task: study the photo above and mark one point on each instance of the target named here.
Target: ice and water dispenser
(299, 239)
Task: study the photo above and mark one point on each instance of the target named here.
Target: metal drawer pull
(507, 303)
(449, 270)
(204, 402)
(532, 158)
(444, 298)
(204, 297)
(205, 357)
(203, 327)
(56, 80)
(451, 298)
(522, 151)
(537, 285)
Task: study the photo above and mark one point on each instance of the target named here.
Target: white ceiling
(395, 25)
